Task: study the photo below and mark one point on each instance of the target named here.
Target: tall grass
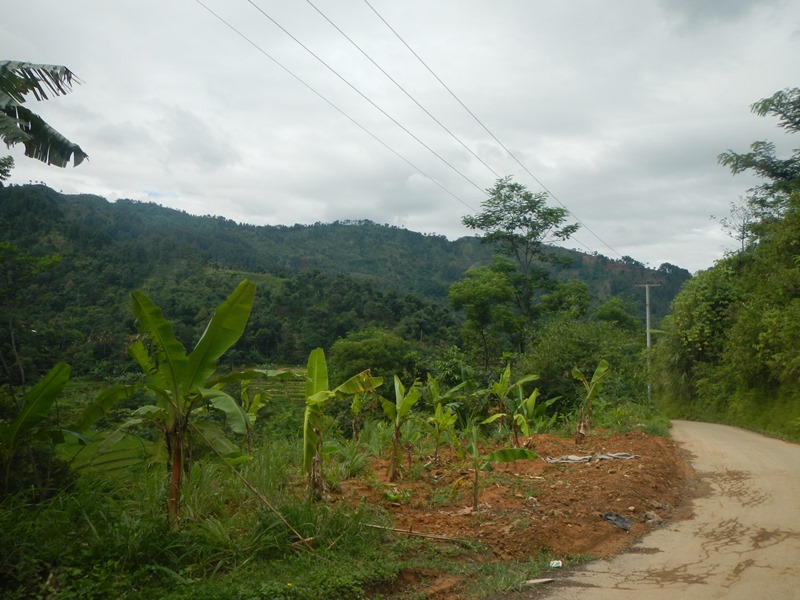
(109, 536)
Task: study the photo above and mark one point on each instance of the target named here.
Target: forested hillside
(316, 283)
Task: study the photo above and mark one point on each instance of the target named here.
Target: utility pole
(647, 287)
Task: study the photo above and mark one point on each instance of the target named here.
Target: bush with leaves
(564, 343)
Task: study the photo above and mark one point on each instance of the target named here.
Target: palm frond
(42, 142)
(17, 79)
(20, 125)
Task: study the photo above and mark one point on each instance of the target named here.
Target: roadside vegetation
(730, 349)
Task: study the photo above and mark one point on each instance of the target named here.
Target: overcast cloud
(619, 108)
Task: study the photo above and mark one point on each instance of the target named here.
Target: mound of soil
(532, 506)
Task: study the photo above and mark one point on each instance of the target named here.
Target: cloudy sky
(618, 107)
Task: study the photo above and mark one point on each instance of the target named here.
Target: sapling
(501, 391)
(398, 413)
(442, 421)
(592, 387)
(444, 418)
(482, 462)
(317, 397)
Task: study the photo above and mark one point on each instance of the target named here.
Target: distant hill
(151, 237)
(109, 249)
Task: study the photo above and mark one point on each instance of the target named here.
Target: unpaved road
(741, 542)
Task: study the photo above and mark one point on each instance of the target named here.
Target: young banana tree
(29, 423)
(398, 413)
(482, 462)
(443, 421)
(444, 416)
(529, 412)
(318, 395)
(591, 387)
(181, 384)
(501, 391)
(242, 420)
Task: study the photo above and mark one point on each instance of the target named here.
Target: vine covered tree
(18, 124)
(521, 225)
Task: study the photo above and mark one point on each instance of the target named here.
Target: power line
(426, 111)
(362, 127)
(382, 70)
(503, 146)
(402, 89)
(364, 96)
(331, 104)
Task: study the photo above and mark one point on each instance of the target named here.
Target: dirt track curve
(742, 540)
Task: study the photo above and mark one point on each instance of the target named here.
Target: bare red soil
(529, 507)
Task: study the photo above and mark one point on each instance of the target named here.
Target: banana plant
(318, 395)
(483, 462)
(360, 404)
(444, 419)
(398, 413)
(182, 385)
(29, 423)
(591, 387)
(502, 392)
(530, 413)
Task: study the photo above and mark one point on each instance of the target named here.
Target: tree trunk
(175, 438)
(589, 413)
(475, 489)
(485, 350)
(393, 459)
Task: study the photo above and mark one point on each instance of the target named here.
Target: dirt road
(741, 542)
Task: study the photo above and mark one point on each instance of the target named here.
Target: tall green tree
(18, 124)
(521, 225)
(17, 268)
(379, 350)
(572, 297)
(483, 295)
(564, 342)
